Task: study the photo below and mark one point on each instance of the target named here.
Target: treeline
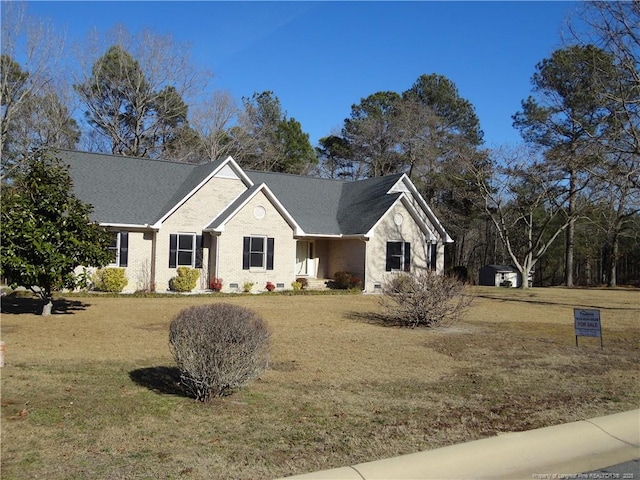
(564, 204)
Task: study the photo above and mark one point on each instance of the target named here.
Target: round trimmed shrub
(218, 348)
(110, 280)
(185, 281)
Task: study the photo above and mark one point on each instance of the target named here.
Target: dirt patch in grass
(94, 394)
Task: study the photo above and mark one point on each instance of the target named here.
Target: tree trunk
(48, 307)
(568, 264)
(613, 263)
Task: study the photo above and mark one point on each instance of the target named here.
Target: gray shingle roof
(139, 191)
(331, 207)
(130, 190)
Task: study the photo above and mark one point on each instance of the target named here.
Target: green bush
(297, 286)
(218, 348)
(110, 280)
(185, 281)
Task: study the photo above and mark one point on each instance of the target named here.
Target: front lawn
(91, 393)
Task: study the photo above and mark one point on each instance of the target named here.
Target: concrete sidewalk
(561, 451)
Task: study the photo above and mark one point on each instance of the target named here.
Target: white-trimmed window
(119, 249)
(257, 253)
(185, 250)
(398, 257)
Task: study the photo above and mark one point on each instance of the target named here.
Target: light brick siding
(347, 255)
(388, 230)
(321, 254)
(244, 224)
(138, 270)
(192, 217)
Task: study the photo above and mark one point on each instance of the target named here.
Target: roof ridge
(297, 175)
(129, 157)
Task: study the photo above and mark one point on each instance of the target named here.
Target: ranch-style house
(245, 226)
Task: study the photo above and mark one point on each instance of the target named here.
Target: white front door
(303, 262)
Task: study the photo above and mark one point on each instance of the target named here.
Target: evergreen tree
(46, 232)
(267, 140)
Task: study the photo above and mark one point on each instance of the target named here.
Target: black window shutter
(407, 257)
(124, 249)
(434, 255)
(389, 247)
(199, 251)
(246, 252)
(173, 250)
(270, 244)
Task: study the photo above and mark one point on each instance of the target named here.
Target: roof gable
(227, 168)
(406, 185)
(139, 191)
(218, 224)
(313, 202)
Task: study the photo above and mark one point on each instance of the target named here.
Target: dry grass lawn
(91, 393)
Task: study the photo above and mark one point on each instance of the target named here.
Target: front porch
(318, 259)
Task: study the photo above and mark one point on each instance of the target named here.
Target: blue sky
(320, 58)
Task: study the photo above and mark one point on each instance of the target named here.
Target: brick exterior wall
(407, 231)
(192, 217)
(230, 245)
(346, 255)
(138, 270)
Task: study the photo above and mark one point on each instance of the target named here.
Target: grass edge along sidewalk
(561, 451)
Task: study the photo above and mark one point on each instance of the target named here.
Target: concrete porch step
(317, 283)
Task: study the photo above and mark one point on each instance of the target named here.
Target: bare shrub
(218, 348)
(424, 298)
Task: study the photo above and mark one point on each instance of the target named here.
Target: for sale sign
(587, 323)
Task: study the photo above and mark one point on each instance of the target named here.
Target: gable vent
(227, 172)
(399, 187)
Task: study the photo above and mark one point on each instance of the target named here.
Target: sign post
(587, 324)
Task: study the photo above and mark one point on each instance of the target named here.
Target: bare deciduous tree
(211, 120)
(31, 82)
(526, 202)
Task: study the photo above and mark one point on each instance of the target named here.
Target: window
(119, 249)
(398, 256)
(257, 253)
(185, 250)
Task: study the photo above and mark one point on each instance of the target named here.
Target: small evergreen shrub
(218, 348)
(297, 286)
(346, 281)
(110, 280)
(303, 282)
(185, 281)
